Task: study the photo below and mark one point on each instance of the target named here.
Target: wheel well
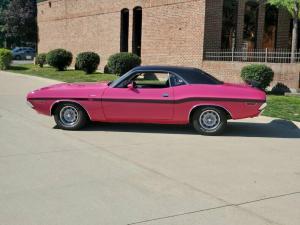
(213, 106)
(55, 105)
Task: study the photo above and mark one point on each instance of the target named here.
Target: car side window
(152, 80)
(176, 81)
(148, 80)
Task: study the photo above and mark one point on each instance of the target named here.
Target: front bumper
(29, 104)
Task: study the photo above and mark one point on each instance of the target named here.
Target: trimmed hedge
(41, 59)
(5, 58)
(59, 59)
(280, 89)
(106, 69)
(121, 63)
(87, 61)
(259, 74)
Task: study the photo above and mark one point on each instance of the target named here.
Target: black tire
(215, 117)
(18, 57)
(68, 123)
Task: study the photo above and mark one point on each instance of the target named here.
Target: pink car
(151, 94)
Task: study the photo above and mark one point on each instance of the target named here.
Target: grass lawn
(283, 107)
(278, 106)
(65, 76)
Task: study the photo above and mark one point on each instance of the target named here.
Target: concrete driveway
(111, 174)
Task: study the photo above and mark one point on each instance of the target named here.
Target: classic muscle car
(151, 94)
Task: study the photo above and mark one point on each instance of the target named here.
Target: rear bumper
(262, 108)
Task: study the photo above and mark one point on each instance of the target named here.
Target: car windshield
(113, 83)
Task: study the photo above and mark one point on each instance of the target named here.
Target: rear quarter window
(197, 76)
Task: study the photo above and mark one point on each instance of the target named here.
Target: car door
(149, 98)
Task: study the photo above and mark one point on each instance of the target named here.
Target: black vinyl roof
(189, 74)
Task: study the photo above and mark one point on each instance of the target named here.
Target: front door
(149, 98)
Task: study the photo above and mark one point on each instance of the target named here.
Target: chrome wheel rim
(69, 116)
(209, 120)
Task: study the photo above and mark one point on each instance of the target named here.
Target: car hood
(66, 90)
(70, 86)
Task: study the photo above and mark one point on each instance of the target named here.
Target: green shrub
(41, 59)
(106, 69)
(5, 58)
(121, 63)
(87, 61)
(259, 74)
(280, 89)
(59, 59)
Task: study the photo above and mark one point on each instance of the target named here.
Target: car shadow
(275, 129)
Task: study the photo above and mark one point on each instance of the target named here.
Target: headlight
(263, 106)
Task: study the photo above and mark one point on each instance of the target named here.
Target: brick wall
(175, 32)
(240, 24)
(172, 29)
(260, 25)
(213, 24)
(283, 29)
(230, 72)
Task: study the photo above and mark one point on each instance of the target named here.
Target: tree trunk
(294, 40)
(295, 32)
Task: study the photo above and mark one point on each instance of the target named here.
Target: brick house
(198, 33)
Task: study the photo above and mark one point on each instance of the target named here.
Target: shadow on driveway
(275, 129)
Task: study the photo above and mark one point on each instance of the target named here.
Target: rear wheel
(69, 116)
(209, 121)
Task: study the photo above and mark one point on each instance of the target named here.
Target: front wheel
(209, 121)
(70, 116)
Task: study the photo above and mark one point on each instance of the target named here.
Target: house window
(270, 30)
(124, 30)
(229, 23)
(137, 31)
(250, 24)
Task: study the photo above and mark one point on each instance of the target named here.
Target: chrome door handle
(165, 95)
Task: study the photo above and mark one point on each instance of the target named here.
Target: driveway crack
(219, 207)
(226, 203)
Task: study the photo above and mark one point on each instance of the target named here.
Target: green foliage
(5, 58)
(106, 69)
(59, 59)
(41, 59)
(280, 89)
(87, 61)
(65, 76)
(20, 23)
(258, 73)
(287, 4)
(3, 6)
(121, 63)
